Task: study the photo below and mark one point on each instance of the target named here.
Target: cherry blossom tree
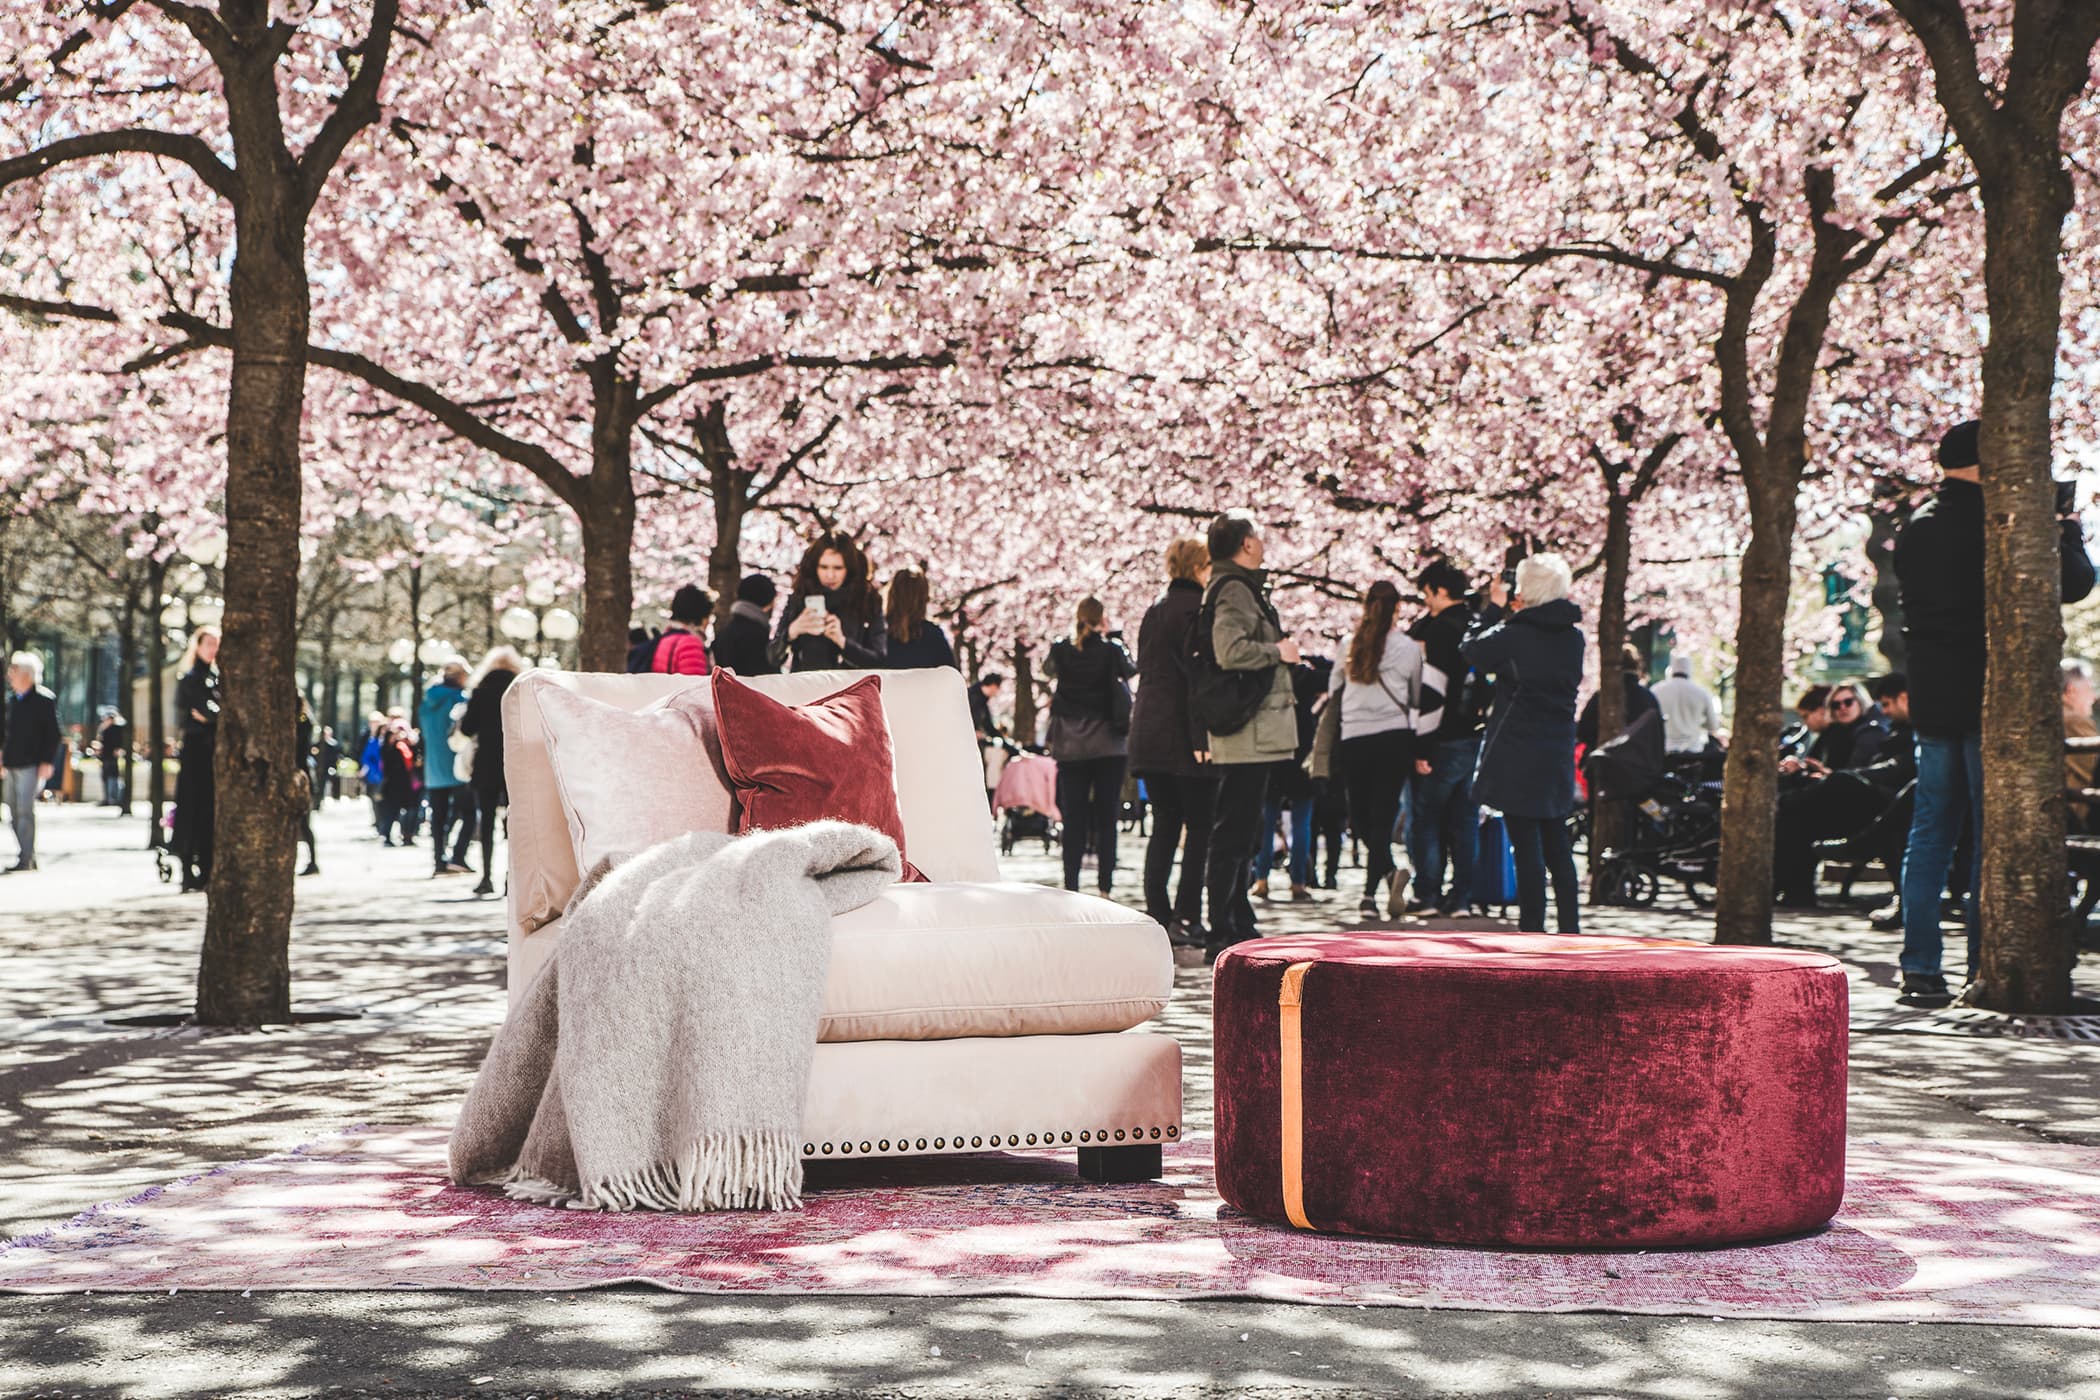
(2006, 91)
(254, 105)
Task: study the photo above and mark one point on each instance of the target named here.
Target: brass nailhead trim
(1068, 1137)
(1119, 1135)
(1155, 1132)
(1173, 1131)
(976, 1142)
(1031, 1139)
(922, 1143)
(940, 1142)
(846, 1148)
(863, 1147)
(884, 1144)
(809, 1149)
(827, 1149)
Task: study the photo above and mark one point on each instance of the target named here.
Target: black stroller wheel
(1702, 895)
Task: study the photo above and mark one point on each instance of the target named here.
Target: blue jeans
(1443, 819)
(1301, 837)
(1950, 787)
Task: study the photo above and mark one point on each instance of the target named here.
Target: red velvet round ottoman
(1531, 1089)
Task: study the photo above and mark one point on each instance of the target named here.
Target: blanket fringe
(750, 1170)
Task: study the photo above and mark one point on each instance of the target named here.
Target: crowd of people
(1233, 733)
(1231, 725)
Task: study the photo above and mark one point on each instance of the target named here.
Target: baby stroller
(1676, 817)
(1027, 800)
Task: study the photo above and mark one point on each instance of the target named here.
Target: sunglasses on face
(1847, 703)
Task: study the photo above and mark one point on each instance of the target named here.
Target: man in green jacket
(1245, 636)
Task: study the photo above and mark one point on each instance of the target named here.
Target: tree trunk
(729, 491)
(1024, 694)
(415, 635)
(127, 664)
(2028, 943)
(1884, 522)
(156, 700)
(1750, 795)
(608, 563)
(1608, 820)
(244, 977)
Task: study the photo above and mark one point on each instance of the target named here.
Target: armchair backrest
(940, 777)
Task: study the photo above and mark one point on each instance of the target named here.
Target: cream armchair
(959, 1015)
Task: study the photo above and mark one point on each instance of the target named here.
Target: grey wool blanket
(660, 1059)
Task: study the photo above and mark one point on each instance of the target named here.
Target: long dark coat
(1527, 755)
(1164, 737)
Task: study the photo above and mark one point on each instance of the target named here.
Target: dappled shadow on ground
(91, 1112)
(637, 1341)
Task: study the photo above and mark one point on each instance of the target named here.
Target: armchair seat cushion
(939, 961)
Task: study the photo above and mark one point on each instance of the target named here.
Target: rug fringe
(748, 1170)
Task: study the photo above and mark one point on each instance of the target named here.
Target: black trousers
(1235, 836)
(1829, 808)
(1089, 795)
(450, 807)
(1180, 805)
(488, 800)
(1375, 768)
(1541, 847)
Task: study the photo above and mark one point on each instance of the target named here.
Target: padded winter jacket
(1246, 636)
(1939, 571)
(1527, 754)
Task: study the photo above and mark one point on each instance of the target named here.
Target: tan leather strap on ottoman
(1291, 1075)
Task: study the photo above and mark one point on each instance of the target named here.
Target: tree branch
(357, 109)
(189, 150)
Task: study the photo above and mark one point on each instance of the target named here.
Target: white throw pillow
(631, 778)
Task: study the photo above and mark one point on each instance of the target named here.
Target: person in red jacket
(682, 650)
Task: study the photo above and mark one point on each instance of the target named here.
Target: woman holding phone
(833, 619)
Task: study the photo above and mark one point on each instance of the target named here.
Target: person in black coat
(1639, 700)
(833, 618)
(741, 642)
(483, 723)
(1527, 755)
(1089, 739)
(1846, 800)
(112, 746)
(33, 749)
(1939, 571)
(197, 709)
(1167, 747)
(915, 644)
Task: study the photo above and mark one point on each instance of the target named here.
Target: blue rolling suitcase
(1495, 872)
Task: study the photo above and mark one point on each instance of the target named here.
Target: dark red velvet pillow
(829, 760)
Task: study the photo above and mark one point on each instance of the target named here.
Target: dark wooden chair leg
(1109, 1165)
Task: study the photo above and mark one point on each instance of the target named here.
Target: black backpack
(1223, 702)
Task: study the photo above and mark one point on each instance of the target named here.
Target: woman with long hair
(1089, 738)
(1379, 687)
(915, 644)
(1169, 751)
(197, 711)
(1527, 758)
(483, 723)
(833, 617)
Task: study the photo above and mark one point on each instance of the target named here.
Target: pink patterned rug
(2005, 1232)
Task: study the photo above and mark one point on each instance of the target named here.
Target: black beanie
(1958, 447)
(757, 590)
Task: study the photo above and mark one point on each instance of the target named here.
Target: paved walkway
(92, 1110)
